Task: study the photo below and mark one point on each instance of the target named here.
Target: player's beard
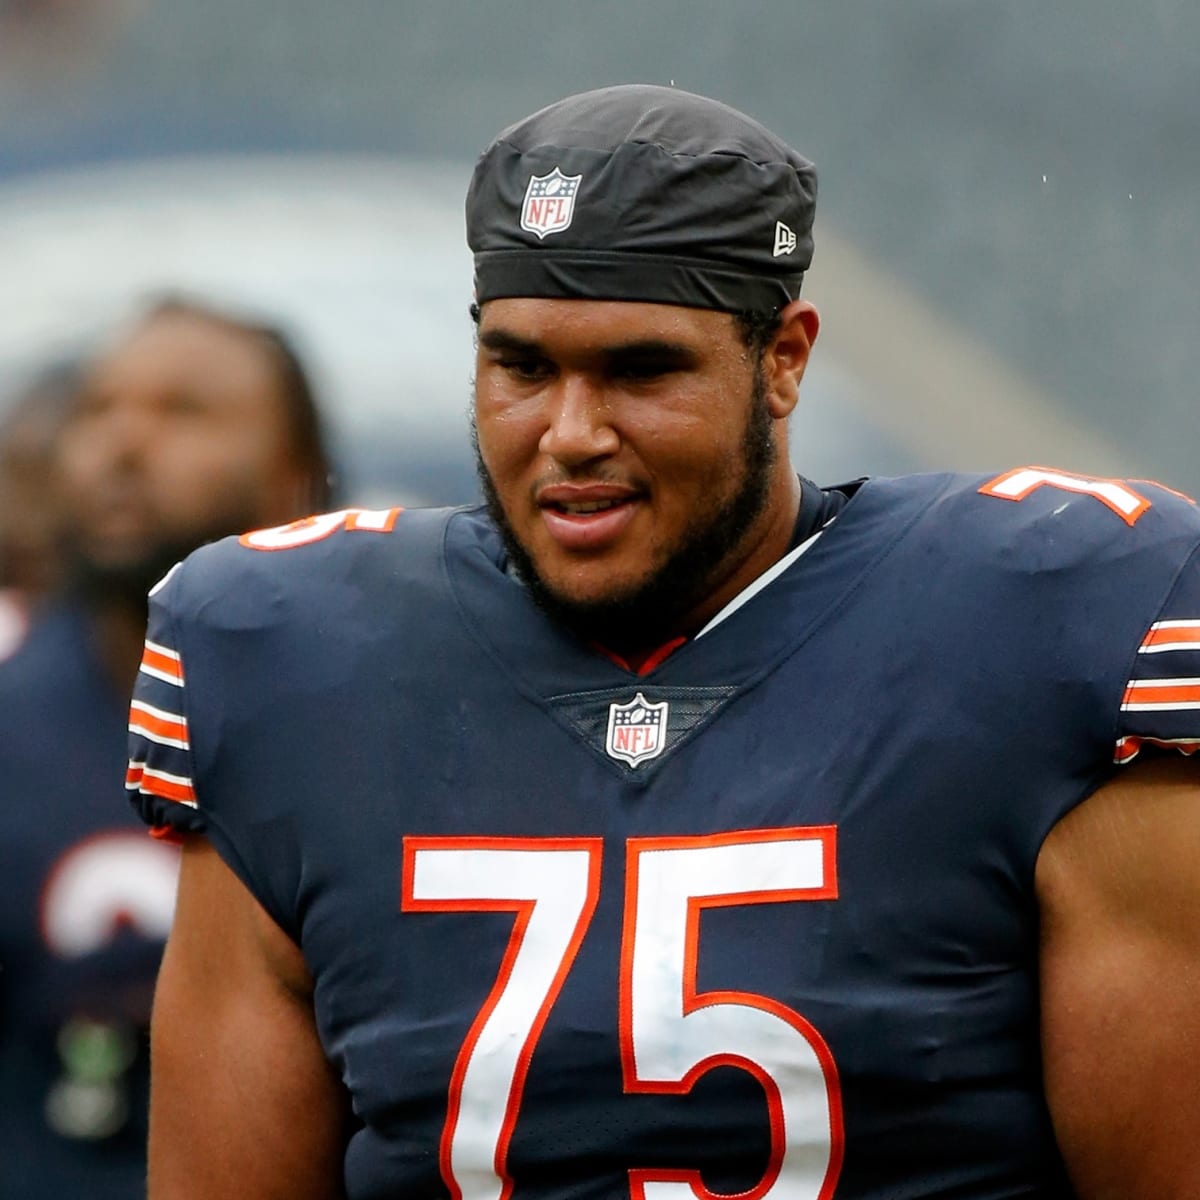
(125, 581)
(650, 611)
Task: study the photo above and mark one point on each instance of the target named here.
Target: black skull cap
(642, 193)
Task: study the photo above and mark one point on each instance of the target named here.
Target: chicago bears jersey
(759, 920)
(87, 901)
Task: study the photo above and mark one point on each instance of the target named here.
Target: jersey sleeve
(1161, 703)
(159, 777)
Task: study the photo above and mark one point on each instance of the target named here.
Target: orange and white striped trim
(1157, 695)
(161, 662)
(1171, 635)
(1128, 747)
(158, 725)
(150, 782)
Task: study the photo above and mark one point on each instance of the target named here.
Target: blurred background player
(30, 554)
(194, 424)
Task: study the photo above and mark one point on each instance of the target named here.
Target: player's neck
(118, 631)
(768, 541)
(764, 544)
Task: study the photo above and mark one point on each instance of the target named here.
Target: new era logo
(785, 239)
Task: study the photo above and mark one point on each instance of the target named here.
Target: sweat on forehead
(642, 193)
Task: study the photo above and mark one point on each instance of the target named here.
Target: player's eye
(182, 404)
(89, 405)
(642, 370)
(526, 369)
(647, 365)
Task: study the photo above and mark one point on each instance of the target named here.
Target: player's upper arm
(1118, 883)
(243, 1101)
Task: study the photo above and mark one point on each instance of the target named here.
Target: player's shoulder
(1036, 493)
(1048, 510)
(313, 559)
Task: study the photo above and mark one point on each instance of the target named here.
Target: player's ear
(786, 356)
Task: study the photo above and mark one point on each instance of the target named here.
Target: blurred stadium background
(1007, 236)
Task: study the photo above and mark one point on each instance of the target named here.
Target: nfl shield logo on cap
(637, 730)
(549, 203)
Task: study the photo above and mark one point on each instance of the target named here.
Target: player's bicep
(243, 1101)
(1119, 892)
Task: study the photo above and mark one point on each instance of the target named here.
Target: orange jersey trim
(1129, 747)
(163, 663)
(157, 725)
(642, 664)
(139, 777)
(1171, 635)
(1162, 693)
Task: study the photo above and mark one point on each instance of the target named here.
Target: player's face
(636, 454)
(180, 435)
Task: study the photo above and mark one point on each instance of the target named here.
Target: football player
(671, 826)
(30, 557)
(192, 425)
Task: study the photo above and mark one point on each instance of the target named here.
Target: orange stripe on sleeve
(1172, 635)
(157, 725)
(162, 663)
(159, 783)
(1128, 748)
(1162, 693)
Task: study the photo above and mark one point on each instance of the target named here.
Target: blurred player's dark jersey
(760, 920)
(87, 901)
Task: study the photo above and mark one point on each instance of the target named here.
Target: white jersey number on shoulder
(1113, 493)
(323, 525)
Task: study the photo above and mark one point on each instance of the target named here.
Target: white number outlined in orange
(1113, 493)
(316, 528)
(670, 1033)
(552, 885)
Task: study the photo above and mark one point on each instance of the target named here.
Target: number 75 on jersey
(670, 1033)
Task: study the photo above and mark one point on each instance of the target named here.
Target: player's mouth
(587, 518)
(118, 511)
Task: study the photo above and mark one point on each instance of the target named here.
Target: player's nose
(578, 422)
(125, 436)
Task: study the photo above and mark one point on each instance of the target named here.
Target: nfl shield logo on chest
(549, 203)
(637, 730)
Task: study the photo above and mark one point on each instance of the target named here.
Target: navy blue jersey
(759, 920)
(87, 900)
